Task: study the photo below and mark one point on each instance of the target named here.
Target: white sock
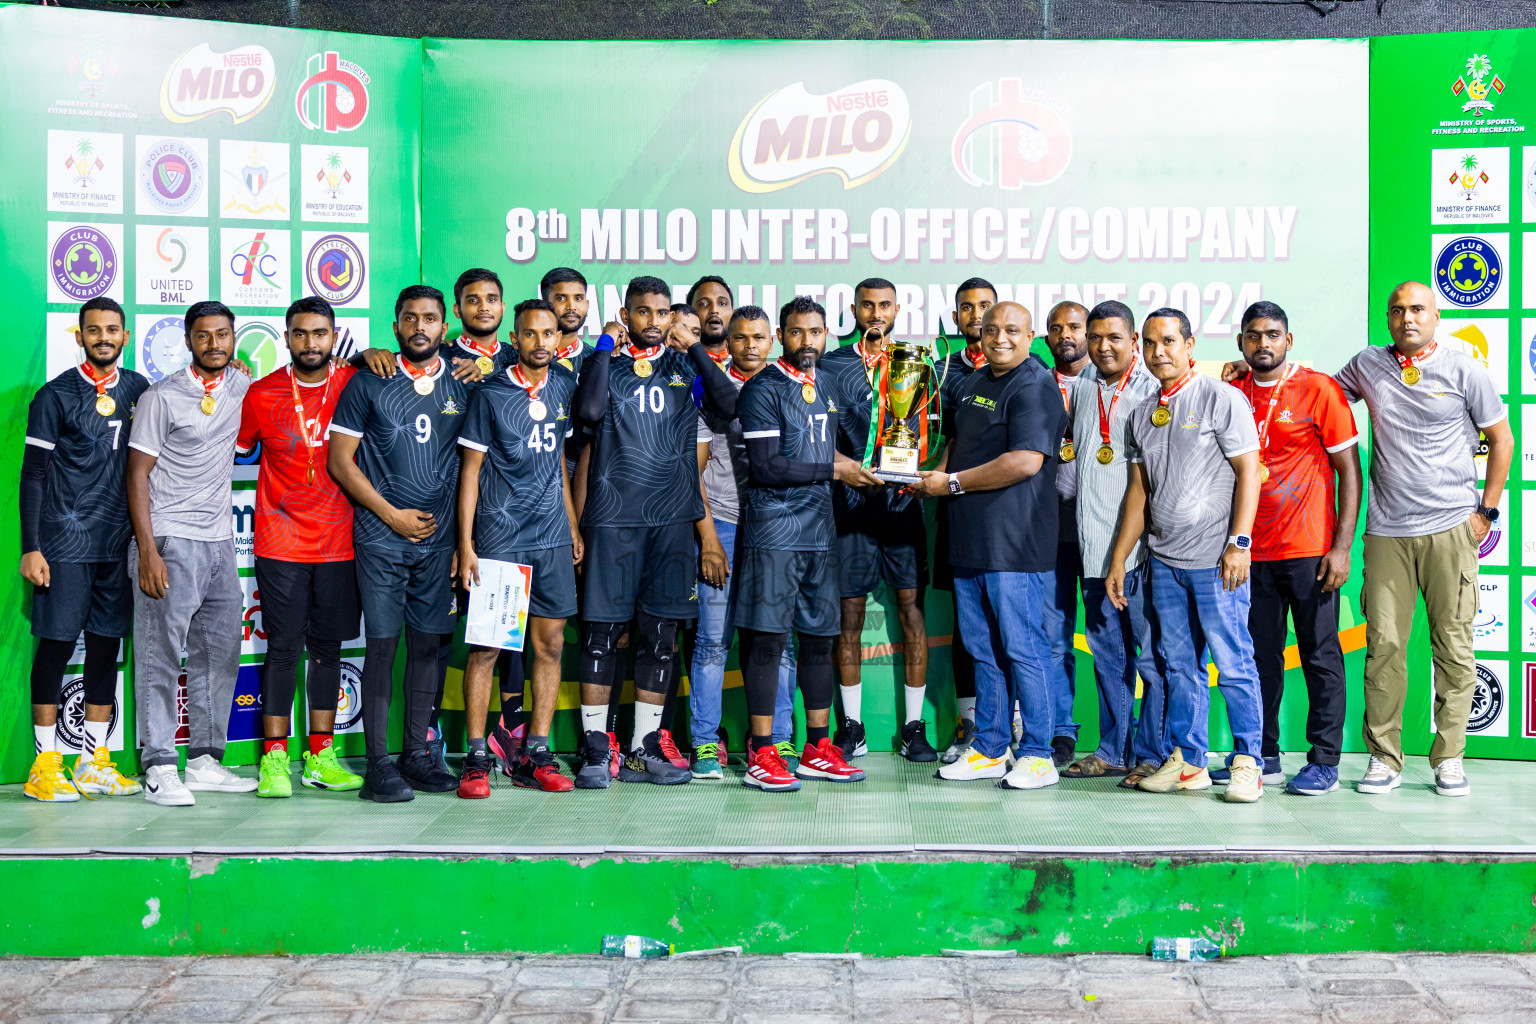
(45, 736)
(594, 718)
(914, 701)
(647, 721)
(967, 707)
(95, 736)
(853, 697)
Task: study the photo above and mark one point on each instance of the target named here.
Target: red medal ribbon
(103, 382)
(1066, 403)
(1407, 361)
(796, 375)
(1274, 399)
(311, 441)
(736, 374)
(974, 354)
(869, 360)
(1168, 393)
(1104, 414)
(638, 354)
(567, 353)
(488, 353)
(720, 358)
(528, 386)
(208, 385)
(429, 371)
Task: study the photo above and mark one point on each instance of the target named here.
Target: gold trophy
(908, 385)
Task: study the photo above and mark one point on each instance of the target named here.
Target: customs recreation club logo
(349, 702)
(83, 263)
(855, 133)
(71, 721)
(1013, 137)
(201, 82)
(171, 176)
(1468, 271)
(335, 269)
(1488, 700)
(1480, 84)
(333, 95)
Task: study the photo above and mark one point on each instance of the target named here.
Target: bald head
(1006, 332)
(1412, 316)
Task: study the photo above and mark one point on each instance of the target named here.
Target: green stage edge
(913, 906)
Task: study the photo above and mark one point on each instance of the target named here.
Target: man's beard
(309, 362)
(477, 334)
(709, 339)
(1265, 361)
(805, 358)
(408, 347)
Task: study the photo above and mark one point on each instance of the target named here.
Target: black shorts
(553, 593)
(413, 587)
(309, 599)
(778, 591)
(94, 596)
(653, 569)
(887, 547)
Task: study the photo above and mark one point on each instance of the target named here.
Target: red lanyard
(977, 359)
(488, 353)
(871, 362)
(102, 383)
(428, 371)
(806, 379)
(311, 441)
(1167, 396)
(527, 385)
(569, 352)
(737, 374)
(1274, 400)
(1066, 403)
(720, 358)
(1104, 414)
(639, 354)
(1411, 373)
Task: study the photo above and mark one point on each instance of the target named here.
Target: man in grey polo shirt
(1122, 641)
(1423, 524)
(183, 558)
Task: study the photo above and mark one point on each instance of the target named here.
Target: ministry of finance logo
(1468, 271)
(1479, 83)
(172, 175)
(1013, 137)
(854, 133)
(83, 263)
(333, 95)
(335, 267)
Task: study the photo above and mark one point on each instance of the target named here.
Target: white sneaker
(208, 775)
(163, 786)
(974, 765)
(1451, 779)
(1379, 778)
(1031, 773)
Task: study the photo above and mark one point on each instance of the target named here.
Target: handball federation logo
(83, 263)
(1014, 137)
(333, 95)
(171, 176)
(349, 702)
(1468, 271)
(335, 269)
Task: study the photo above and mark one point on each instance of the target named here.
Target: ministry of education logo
(1468, 271)
(335, 268)
(1479, 83)
(171, 176)
(83, 263)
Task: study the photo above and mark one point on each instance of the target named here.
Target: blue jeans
(1002, 621)
(1061, 625)
(1195, 611)
(1124, 643)
(706, 676)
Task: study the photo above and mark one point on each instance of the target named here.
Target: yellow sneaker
(1247, 783)
(97, 774)
(46, 780)
(1176, 773)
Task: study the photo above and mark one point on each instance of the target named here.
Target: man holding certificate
(515, 507)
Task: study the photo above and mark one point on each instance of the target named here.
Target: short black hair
(802, 304)
(683, 307)
(1176, 314)
(472, 275)
(560, 275)
(310, 304)
(208, 307)
(749, 313)
(419, 291)
(1112, 309)
(647, 285)
(973, 284)
(1067, 304)
(876, 284)
(1264, 310)
(531, 306)
(102, 302)
(710, 279)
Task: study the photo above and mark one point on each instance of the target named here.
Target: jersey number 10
(658, 401)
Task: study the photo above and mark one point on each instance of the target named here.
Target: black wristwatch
(1490, 514)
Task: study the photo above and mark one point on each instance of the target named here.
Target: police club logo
(1488, 700)
(83, 263)
(1468, 271)
(333, 96)
(1013, 137)
(70, 730)
(335, 267)
(171, 176)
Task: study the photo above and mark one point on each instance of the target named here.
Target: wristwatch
(1490, 514)
(1241, 541)
(955, 488)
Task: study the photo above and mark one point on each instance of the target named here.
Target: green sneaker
(323, 771)
(275, 781)
(706, 761)
(787, 754)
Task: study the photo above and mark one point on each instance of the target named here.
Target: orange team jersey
(296, 521)
(1311, 418)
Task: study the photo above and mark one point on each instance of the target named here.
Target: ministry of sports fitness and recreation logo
(1468, 271)
(855, 133)
(96, 67)
(1479, 83)
(201, 82)
(335, 269)
(70, 729)
(1488, 700)
(1014, 136)
(349, 702)
(171, 176)
(83, 263)
(333, 95)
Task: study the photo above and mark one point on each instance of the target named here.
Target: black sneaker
(914, 742)
(1063, 750)
(594, 762)
(649, 764)
(420, 770)
(538, 769)
(850, 739)
(382, 783)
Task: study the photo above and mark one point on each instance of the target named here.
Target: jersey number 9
(423, 428)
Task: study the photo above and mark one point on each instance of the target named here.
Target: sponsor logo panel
(172, 175)
(85, 172)
(171, 264)
(253, 636)
(1469, 185)
(1014, 136)
(1494, 550)
(242, 505)
(349, 703)
(259, 341)
(854, 133)
(69, 733)
(1528, 728)
(202, 82)
(84, 262)
(1470, 271)
(1490, 631)
(351, 335)
(334, 183)
(1485, 339)
(161, 342)
(253, 180)
(336, 267)
(255, 267)
(62, 350)
(333, 96)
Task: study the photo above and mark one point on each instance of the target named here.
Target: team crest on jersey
(1285, 415)
(830, 406)
(1190, 423)
(677, 381)
(451, 408)
(559, 412)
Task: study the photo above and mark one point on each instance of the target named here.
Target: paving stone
(237, 966)
(670, 1010)
(116, 974)
(69, 1018)
(16, 986)
(1242, 975)
(801, 1018)
(905, 1011)
(755, 1001)
(558, 998)
(217, 987)
(460, 965)
(302, 1017)
(336, 975)
(911, 986)
(1513, 1017)
(1352, 965)
(1104, 963)
(340, 998)
(547, 1017)
(198, 1012)
(787, 974)
(1259, 999)
(1386, 1011)
(573, 976)
(1139, 987)
(463, 1010)
(446, 987)
(65, 998)
(1025, 999)
(1046, 1018)
(659, 987)
(1025, 971)
(1362, 987)
(1150, 1011)
(1487, 998)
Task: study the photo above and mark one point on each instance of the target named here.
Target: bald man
(1005, 430)
(1424, 522)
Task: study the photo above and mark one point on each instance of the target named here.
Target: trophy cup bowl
(897, 459)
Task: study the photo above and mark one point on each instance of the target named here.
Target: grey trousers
(200, 614)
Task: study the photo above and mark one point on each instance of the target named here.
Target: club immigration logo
(70, 728)
(171, 175)
(253, 179)
(335, 269)
(1488, 700)
(333, 96)
(202, 82)
(1478, 81)
(855, 133)
(1014, 136)
(83, 263)
(1468, 271)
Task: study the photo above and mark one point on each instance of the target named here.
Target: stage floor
(901, 808)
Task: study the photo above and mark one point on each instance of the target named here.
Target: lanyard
(464, 339)
(566, 353)
(736, 374)
(1105, 414)
(1274, 400)
(1411, 374)
(720, 358)
(311, 441)
(527, 385)
(425, 372)
(207, 405)
(975, 357)
(1167, 396)
(639, 354)
(103, 382)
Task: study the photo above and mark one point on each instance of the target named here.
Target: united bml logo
(1014, 137)
(333, 95)
(855, 133)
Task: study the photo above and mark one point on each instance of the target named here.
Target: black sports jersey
(773, 404)
(522, 494)
(573, 361)
(407, 451)
(644, 468)
(953, 372)
(504, 356)
(849, 385)
(84, 513)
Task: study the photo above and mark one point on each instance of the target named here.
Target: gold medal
(206, 405)
(1263, 472)
(1411, 375)
(1068, 451)
(423, 385)
(808, 392)
(642, 367)
(1161, 416)
(485, 365)
(105, 406)
(1105, 455)
(537, 410)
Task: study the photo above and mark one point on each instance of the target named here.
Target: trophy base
(897, 465)
(892, 477)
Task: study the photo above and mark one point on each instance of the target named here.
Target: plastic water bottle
(635, 947)
(1164, 948)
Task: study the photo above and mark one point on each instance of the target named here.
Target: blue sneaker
(1314, 780)
(1273, 775)
(437, 746)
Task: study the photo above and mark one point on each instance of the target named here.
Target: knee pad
(599, 640)
(658, 638)
(325, 652)
(816, 650)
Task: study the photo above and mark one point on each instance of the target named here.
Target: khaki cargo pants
(1443, 567)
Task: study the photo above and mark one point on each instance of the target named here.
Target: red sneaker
(540, 770)
(669, 749)
(615, 755)
(506, 746)
(766, 771)
(475, 778)
(723, 740)
(825, 761)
